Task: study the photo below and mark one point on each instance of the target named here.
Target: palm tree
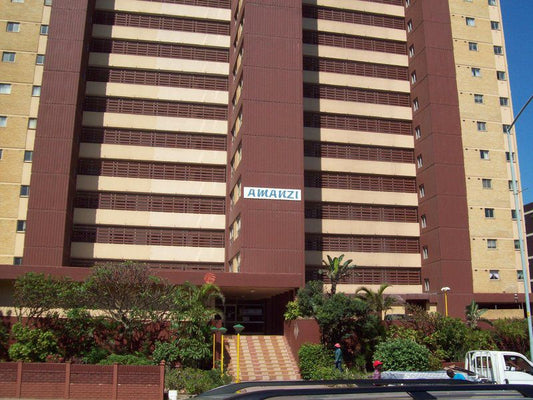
(336, 270)
(375, 300)
(473, 315)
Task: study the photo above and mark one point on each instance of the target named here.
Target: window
(47, 2)
(36, 91)
(419, 161)
(520, 275)
(407, 3)
(494, 25)
(13, 27)
(17, 1)
(481, 126)
(409, 26)
(5, 88)
(1, 153)
(44, 30)
(472, 46)
(421, 191)
(484, 154)
(426, 285)
(504, 101)
(423, 221)
(510, 185)
(501, 75)
(8, 56)
(3, 121)
(498, 50)
(425, 253)
(487, 183)
(492, 2)
(489, 212)
(517, 245)
(478, 98)
(416, 106)
(28, 156)
(491, 243)
(24, 191)
(494, 274)
(470, 21)
(411, 51)
(39, 60)
(508, 156)
(476, 72)
(17, 260)
(21, 226)
(418, 132)
(32, 123)
(413, 77)
(506, 127)
(513, 214)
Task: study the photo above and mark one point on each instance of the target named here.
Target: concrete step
(262, 358)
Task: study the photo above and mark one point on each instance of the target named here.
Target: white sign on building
(272, 194)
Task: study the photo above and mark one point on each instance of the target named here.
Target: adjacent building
(242, 142)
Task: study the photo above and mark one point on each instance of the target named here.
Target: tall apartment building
(528, 217)
(247, 140)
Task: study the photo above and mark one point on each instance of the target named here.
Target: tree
(473, 315)
(36, 295)
(127, 294)
(376, 300)
(336, 270)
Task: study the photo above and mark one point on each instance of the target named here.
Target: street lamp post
(238, 328)
(222, 331)
(445, 290)
(214, 330)
(519, 228)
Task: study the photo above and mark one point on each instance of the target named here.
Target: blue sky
(518, 29)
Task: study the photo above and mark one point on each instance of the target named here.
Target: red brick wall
(78, 381)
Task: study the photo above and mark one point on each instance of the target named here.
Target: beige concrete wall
(139, 252)
(151, 122)
(364, 197)
(18, 106)
(355, 55)
(136, 185)
(177, 10)
(501, 227)
(368, 259)
(360, 5)
(346, 227)
(359, 137)
(148, 219)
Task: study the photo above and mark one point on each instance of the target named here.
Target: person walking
(377, 369)
(338, 357)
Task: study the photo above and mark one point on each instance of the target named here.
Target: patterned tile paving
(263, 358)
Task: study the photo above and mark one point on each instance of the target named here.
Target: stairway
(263, 358)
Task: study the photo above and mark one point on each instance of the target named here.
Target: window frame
(9, 56)
(476, 72)
(473, 46)
(15, 27)
(470, 21)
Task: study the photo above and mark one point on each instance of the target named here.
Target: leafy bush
(403, 355)
(194, 381)
(126, 359)
(448, 341)
(478, 339)
(167, 351)
(511, 334)
(313, 357)
(32, 344)
(95, 355)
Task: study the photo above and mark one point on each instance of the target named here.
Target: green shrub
(312, 357)
(95, 355)
(511, 334)
(448, 341)
(126, 359)
(32, 344)
(167, 351)
(194, 381)
(403, 355)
